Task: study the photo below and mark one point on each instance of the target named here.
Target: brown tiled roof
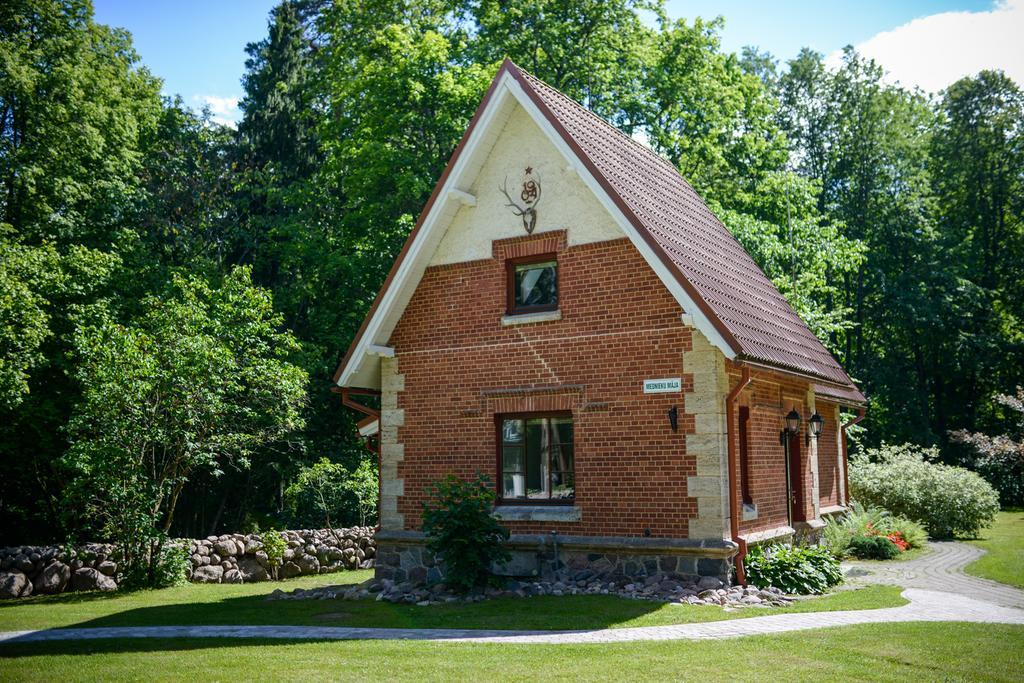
(845, 395)
(708, 261)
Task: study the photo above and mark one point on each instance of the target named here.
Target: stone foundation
(403, 557)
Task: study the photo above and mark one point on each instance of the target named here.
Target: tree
(1001, 458)
(199, 382)
(73, 107)
(34, 281)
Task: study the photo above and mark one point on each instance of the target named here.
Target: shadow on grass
(191, 609)
(15, 650)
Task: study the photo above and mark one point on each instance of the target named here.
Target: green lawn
(886, 652)
(246, 604)
(1004, 541)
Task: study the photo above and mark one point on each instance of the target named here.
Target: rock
(53, 579)
(290, 569)
(14, 585)
(252, 570)
(225, 548)
(107, 567)
(708, 583)
(232, 576)
(308, 564)
(208, 574)
(89, 579)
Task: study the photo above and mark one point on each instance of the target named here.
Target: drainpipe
(846, 460)
(734, 503)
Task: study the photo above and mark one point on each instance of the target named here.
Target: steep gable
(633, 191)
(565, 203)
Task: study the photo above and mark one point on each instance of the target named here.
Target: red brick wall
(619, 326)
(828, 454)
(769, 397)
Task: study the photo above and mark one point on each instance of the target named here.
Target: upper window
(537, 463)
(532, 285)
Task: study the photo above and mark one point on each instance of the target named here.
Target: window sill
(538, 513)
(749, 512)
(527, 318)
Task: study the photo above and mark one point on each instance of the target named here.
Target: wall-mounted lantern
(814, 427)
(673, 418)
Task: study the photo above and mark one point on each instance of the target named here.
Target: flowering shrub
(859, 522)
(948, 501)
(793, 569)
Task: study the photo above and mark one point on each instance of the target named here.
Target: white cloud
(935, 51)
(223, 110)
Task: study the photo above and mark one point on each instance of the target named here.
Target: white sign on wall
(668, 385)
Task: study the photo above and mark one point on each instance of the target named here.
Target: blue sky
(197, 47)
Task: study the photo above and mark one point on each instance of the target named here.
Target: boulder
(226, 548)
(89, 579)
(290, 569)
(107, 567)
(53, 579)
(232, 576)
(208, 574)
(708, 583)
(252, 570)
(14, 585)
(309, 564)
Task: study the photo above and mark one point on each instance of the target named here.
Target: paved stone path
(940, 569)
(989, 602)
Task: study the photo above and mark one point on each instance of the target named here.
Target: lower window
(537, 463)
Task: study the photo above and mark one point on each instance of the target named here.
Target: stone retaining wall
(229, 558)
(403, 558)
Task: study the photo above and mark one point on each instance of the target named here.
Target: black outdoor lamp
(814, 426)
(792, 425)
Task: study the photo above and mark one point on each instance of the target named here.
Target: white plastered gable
(565, 203)
(511, 133)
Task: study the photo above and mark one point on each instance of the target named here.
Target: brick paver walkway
(940, 569)
(960, 598)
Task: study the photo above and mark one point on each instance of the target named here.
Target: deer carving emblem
(529, 197)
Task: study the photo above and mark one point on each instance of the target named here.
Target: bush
(860, 522)
(274, 546)
(169, 568)
(948, 501)
(793, 569)
(873, 548)
(461, 531)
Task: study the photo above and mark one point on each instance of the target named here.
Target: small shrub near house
(948, 501)
(462, 533)
(872, 533)
(804, 570)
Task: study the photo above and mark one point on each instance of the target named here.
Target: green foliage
(462, 532)
(948, 501)
(861, 522)
(172, 565)
(1000, 459)
(793, 569)
(198, 383)
(326, 493)
(873, 548)
(274, 546)
(75, 106)
(364, 486)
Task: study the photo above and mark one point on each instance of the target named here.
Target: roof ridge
(618, 131)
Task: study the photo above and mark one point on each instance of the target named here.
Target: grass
(886, 652)
(1004, 541)
(246, 604)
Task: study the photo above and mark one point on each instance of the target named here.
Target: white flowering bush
(948, 501)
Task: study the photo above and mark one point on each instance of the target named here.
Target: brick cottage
(569, 318)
